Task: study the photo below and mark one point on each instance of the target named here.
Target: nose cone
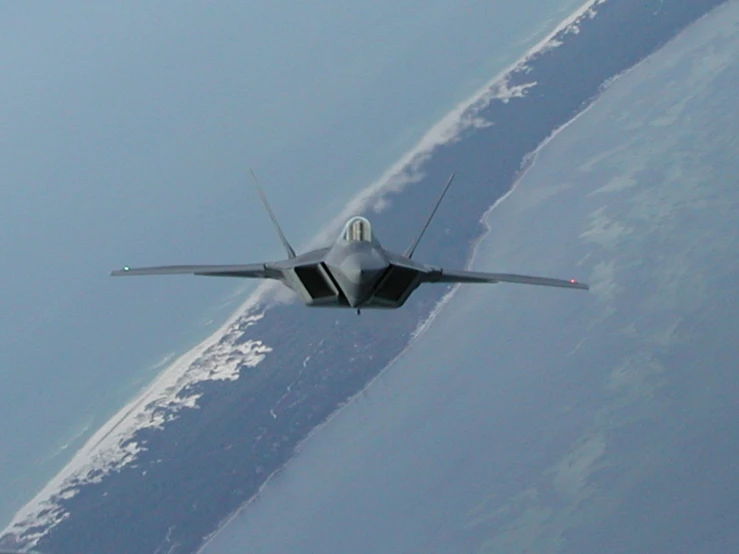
(362, 269)
(357, 271)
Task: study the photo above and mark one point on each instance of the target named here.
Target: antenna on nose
(288, 248)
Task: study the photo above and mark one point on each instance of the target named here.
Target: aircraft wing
(257, 271)
(460, 276)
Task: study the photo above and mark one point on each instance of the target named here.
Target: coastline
(258, 329)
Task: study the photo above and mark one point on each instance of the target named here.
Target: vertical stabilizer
(409, 252)
(288, 248)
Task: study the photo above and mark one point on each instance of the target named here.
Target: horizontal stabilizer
(258, 271)
(459, 276)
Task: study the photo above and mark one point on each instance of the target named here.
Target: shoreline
(393, 180)
(414, 167)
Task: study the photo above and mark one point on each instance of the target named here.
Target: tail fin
(288, 248)
(412, 248)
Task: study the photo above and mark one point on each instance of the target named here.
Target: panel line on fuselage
(343, 300)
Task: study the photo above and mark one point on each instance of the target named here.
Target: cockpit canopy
(358, 229)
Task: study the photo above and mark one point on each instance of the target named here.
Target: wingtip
(118, 272)
(578, 285)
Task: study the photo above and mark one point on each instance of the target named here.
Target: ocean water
(104, 341)
(554, 421)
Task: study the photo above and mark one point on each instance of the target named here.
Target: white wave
(60, 448)
(220, 356)
(165, 360)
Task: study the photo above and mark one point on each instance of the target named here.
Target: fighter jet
(354, 272)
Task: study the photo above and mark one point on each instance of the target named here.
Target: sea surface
(179, 462)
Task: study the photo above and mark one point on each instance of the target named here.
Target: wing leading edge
(256, 271)
(459, 276)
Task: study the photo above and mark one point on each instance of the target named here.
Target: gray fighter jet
(354, 272)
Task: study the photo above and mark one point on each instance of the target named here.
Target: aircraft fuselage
(358, 274)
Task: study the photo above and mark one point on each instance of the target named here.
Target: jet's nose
(358, 274)
(362, 270)
(356, 268)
